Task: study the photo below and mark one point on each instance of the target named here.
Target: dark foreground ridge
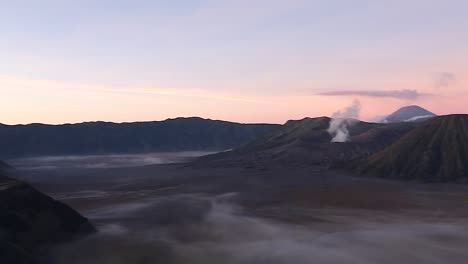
(435, 151)
(30, 221)
(180, 134)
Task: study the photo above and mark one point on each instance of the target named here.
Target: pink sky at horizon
(236, 60)
(55, 102)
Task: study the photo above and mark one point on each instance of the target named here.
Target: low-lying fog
(168, 214)
(200, 229)
(103, 161)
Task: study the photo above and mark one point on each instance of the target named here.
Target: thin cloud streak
(404, 94)
(12, 81)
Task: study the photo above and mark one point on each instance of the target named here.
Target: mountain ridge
(88, 138)
(138, 122)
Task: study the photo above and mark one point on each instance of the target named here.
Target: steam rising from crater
(342, 120)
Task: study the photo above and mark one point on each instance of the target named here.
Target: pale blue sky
(255, 49)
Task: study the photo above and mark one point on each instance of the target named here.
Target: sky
(67, 61)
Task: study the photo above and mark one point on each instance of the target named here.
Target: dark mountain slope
(181, 134)
(307, 143)
(435, 151)
(30, 220)
(3, 167)
(412, 113)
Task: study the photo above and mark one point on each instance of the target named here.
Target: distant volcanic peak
(412, 113)
(436, 150)
(416, 110)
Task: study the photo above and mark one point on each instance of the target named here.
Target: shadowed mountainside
(180, 134)
(30, 221)
(306, 142)
(3, 166)
(435, 151)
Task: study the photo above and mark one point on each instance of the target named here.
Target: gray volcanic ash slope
(436, 150)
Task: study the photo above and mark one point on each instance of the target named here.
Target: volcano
(412, 113)
(306, 142)
(434, 151)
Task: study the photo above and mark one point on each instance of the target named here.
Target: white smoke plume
(342, 120)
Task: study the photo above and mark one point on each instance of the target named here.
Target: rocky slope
(435, 151)
(30, 221)
(180, 134)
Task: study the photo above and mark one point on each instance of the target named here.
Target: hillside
(30, 220)
(306, 142)
(412, 113)
(3, 166)
(435, 151)
(180, 134)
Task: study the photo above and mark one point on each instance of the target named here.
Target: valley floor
(176, 213)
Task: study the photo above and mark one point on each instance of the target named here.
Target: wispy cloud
(13, 81)
(404, 94)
